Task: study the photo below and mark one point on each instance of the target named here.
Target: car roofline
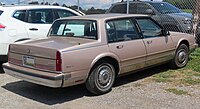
(27, 7)
(103, 17)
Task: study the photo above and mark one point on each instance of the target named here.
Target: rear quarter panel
(179, 37)
(79, 61)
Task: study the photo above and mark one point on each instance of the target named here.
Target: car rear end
(2, 35)
(35, 64)
(8, 30)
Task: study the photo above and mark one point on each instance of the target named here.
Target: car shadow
(51, 96)
(46, 95)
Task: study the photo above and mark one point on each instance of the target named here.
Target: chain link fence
(191, 7)
(173, 15)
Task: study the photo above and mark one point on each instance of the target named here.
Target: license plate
(28, 61)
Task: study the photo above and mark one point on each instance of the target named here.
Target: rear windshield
(74, 28)
(1, 12)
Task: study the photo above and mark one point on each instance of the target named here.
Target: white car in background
(18, 23)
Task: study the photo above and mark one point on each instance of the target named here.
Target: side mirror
(150, 12)
(165, 32)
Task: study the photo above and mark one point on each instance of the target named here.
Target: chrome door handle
(149, 42)
(119, 46)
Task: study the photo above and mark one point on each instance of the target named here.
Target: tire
(197, 38)
(181, 57)
(101, 78)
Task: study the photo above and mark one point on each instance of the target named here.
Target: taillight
(58, 61)
(8, 53)
(2, 26)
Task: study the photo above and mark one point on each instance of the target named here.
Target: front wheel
(197, 38)
(101, 78)
(181, 57)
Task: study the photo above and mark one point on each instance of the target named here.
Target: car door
(39, 22)
(17, 30)
(160, 48)
(125, 42)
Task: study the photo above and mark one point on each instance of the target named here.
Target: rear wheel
(181, 57)
(101, 78)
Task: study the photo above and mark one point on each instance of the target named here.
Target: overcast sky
(83, 3)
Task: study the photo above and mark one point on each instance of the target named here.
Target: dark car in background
(169, 16)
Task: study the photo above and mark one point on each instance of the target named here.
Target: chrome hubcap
(105, 74)
(182, 56)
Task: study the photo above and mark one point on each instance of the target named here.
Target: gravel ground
(134, 91)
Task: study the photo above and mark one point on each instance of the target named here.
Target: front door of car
(39, 22)
(125, 42)
(160, 48)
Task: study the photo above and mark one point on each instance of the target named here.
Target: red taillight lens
(58, 61)
(2, 26)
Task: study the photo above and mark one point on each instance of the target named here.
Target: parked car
(197, 37)
(169, 16)
(166, 14)
(19, 23)
(95, 49)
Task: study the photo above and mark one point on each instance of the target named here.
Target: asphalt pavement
(133, 91)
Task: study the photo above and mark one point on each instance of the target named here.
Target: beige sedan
(95, 49)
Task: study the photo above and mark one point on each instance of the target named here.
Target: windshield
(1, 12)
(165, 8)
(74, 28)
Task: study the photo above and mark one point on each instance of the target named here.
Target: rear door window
(1, 12)
(143, 8)
(121, 30)
(40, 16)
(121, 8)
(132, 8)
(20, 15)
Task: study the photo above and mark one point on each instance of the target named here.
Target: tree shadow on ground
(51, 96)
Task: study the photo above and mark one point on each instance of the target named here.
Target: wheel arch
(183, 41)
(106, 57)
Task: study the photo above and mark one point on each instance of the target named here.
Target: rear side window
(142, 8)
(121, 30)
(132, 8)
(1, 12)
(20, 15)
(121, 8)
(63, 13)
(40, 16)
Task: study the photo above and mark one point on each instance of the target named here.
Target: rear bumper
(38, 77)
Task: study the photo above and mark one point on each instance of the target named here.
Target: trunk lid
(41, 54)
